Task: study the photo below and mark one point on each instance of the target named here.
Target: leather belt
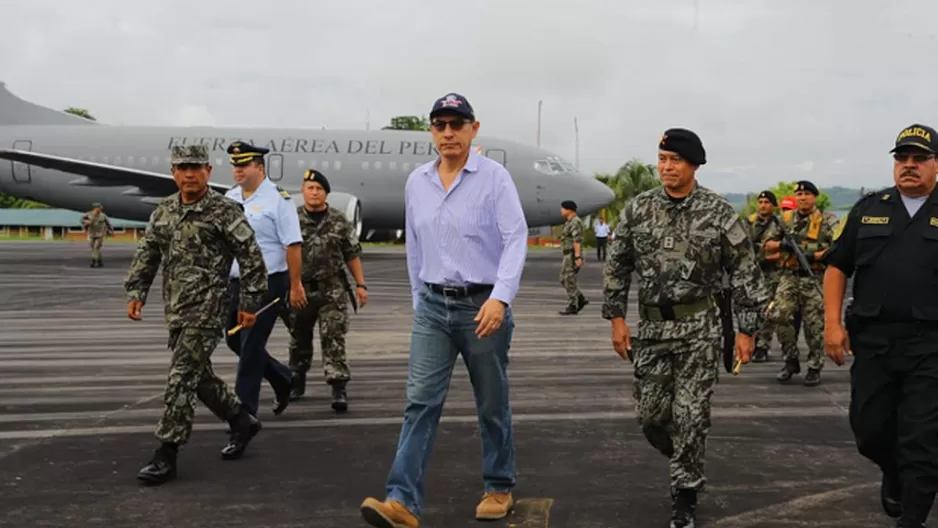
(673, 312)
(459, 291)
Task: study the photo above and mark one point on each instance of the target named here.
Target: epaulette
(285, 194)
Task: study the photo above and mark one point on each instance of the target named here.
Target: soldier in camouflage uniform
(682, 240)
(329, 245)
(571, 244)
(797, 290)
(196, 234)
(759, 224)
(98, 227)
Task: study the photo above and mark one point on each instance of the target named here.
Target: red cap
(789, 202)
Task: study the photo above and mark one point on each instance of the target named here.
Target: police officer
(759, 224)
(888, 243)
(571, 247)
(272, 215)
(329, 245)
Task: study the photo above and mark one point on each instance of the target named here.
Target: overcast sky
(777, 89)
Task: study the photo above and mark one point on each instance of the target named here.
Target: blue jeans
(442, 329)
(250, 344)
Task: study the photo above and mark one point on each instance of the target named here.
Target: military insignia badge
(663, 138)
(840, 227)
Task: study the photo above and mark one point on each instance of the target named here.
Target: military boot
(890, 495)
(299, 386)
(792, 366)
(339, 397)
(94, 263)
(569, 310)
(760, 355)
(162, 467)
(243, 428)
(582, 301)
(812, 378)
(100, 263)
(683, 508)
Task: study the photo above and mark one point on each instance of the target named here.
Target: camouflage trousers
(764, 336)
(568, 278)
(674, 382)
(96, 243)
(799, 293)
(327, 304)
(190, 377)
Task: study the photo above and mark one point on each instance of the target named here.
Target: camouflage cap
(190, 154)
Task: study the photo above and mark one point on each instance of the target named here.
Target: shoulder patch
(241, 230)
(735, 232)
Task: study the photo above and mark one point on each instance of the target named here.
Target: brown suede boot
(494, 506)
(388, 514)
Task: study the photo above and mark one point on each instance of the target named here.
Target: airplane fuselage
(371, 166)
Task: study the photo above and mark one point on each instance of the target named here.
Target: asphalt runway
(81, 390)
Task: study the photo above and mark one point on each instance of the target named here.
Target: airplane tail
(15, 111)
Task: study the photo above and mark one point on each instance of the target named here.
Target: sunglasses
(455, 124)
(903, 157)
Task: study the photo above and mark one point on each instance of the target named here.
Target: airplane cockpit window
(554, 165)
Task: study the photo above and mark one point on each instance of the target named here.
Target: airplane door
(497, 155)
(22, 173)
(275, 167)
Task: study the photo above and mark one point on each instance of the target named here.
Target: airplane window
(377, 165)
(325, 164)
(337, 165)
(365, 165)
(156, 161)
(300, 163)
(117, 160)
(104, 159)
(130, 160)
(393, 165)
(407, 166)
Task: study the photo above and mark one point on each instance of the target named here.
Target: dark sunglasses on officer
(917, 157)
(456, 124)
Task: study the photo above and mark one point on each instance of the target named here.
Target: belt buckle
(453, 290)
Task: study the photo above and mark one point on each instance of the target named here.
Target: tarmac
(81, 390)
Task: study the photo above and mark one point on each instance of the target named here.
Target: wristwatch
(362, 286)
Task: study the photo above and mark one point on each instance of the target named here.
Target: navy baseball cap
(453, 103)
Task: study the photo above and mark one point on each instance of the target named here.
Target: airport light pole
(539, 104)
(576, 136)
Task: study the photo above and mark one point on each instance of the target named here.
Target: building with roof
(60, 224)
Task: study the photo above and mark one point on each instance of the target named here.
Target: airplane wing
(150, 186)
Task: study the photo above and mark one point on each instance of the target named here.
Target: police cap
(917, 136)
(453, 103)
(805, 185)
(242, 153)
(770, 196)
(685, 143)
(313, 175)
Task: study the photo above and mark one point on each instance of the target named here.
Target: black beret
(917, 136)
(805, 185)
(685, 143)
(568, 204)
(770, 196)
(243, 153)
(314, 175)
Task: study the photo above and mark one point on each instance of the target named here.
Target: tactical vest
(896, 260)
(809, 242)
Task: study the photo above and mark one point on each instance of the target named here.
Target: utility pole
(368, 119)
(576, 134)
(539, 104)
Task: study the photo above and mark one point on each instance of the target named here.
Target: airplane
(69, 162)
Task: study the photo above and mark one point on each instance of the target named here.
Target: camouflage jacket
(758, 233)
(196, 245)
(572, 232)
(812, 232)
(682, 252)
(98, 224)
(329, 243)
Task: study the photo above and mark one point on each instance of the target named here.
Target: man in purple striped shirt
(466, 247)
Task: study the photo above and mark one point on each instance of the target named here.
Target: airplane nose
(596, 196)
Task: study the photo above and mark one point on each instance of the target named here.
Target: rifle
(799, 255)
(725, 303)
(348, 291)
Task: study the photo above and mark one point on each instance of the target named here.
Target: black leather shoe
(160, 469)
(282, 397)
(339, 398)
(890, 495)
(569, 310)
(243, 429)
